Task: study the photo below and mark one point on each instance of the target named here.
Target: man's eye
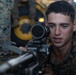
(64, 26)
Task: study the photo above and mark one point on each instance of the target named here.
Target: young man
(60, 17)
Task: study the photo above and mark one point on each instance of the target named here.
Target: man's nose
(57, 31)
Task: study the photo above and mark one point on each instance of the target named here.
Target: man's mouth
(57, 40)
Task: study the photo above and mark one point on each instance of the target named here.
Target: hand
(23, 48)
(47, 70)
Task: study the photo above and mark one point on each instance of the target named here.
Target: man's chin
(58, 45)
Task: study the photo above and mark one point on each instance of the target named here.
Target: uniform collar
(54, 60)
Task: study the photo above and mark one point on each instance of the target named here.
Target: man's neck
(61, 51)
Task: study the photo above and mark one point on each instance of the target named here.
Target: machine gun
(32, 61)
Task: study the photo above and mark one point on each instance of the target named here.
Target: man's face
(61, 29)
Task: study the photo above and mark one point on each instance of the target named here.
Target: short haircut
(62, 7)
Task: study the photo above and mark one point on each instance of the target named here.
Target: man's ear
(74, 25)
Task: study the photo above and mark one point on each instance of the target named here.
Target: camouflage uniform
(68, 67)
(5, 22)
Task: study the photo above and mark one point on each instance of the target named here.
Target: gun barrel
(10, 64)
